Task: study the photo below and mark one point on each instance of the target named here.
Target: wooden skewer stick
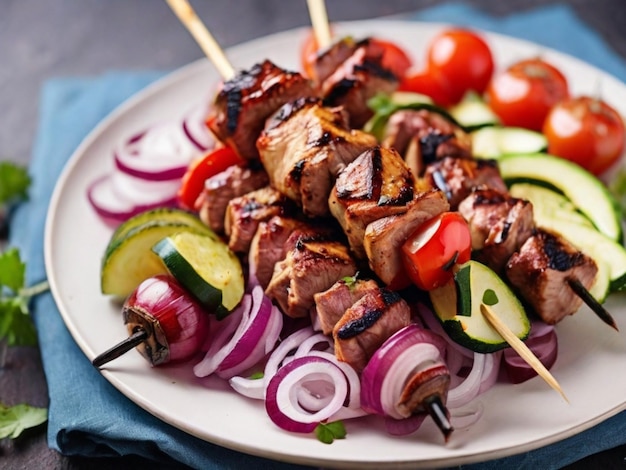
(203, 37)
(319, 19)
(521, 348)
(591, 302)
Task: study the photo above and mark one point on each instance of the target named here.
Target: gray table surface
(41, 39)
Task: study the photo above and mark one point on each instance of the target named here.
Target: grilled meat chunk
(458, 177)
(367, 324)
(313, 265)
(221, 188)
(270, 244)
(499, 224)
(304, 146)
(541, 271)
(247, 100)
(384, 237)
(327, 60)
(244, 213)
(331, 304)
(375, 185)
(423, 136)
(357, 79)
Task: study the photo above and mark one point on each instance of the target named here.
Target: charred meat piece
(327, 60)
(367, 324)
(221, 188)
(244, 213)
(331, 304)
(541, 271)
(270, 243)
(458, 177)
(247, 100)
(312, 265)
(423, 136)
(357, 79)
(304, 146)
(375, 185)
(384, 237)
(499, 224)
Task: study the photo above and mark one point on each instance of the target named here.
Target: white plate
(516, 418)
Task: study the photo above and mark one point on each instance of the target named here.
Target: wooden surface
(40, 40)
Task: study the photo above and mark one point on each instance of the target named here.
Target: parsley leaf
(328, 432)
(15, 322)
(14, 182)
(15, 419)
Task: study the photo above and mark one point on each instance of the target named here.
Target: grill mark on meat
(430, 143)
(558, 258)
(358, 325)
(296, 172)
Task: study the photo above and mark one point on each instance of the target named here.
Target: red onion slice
(162, 152)
(114, 209)
(375, 372)
(291, 381)
(255, 336)
(196, 130)
(543, 342)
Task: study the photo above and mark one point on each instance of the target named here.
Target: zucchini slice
(158, 215)
(583, 189)
(496, 142)
(473, 113)
(206, 267)
(457, 305)
(130, 260)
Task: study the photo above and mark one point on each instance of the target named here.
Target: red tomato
(428, 82)
(434, 248)
(394, 57)
(523, 94)
(214, 162)
(464, 59)
(586, 131)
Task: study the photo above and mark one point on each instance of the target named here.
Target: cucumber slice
(549, 203)
(582, 188)
(206, 267)
(473, 113)
(130, 260)
(457, 305)
(160, 215)
(495, 142)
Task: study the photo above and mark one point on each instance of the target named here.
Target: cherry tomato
(435, 248)
(586, 131)
(523, 94)
(394, 57)
(429, 82)
(464, 59)
(212, 163)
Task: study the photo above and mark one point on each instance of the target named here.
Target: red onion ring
(282, 401)
(543, 342)
(255, 336)
(162, 152)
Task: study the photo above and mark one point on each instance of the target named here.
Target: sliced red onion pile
(148, 167)
(242, 339)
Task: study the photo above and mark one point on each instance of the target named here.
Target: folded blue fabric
(87, 415)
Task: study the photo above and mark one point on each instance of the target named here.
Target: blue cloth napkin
(88, 416)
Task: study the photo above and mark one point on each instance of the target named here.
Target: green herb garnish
(14, 182)
(16, 325)
(15, 419)
(328, 432)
